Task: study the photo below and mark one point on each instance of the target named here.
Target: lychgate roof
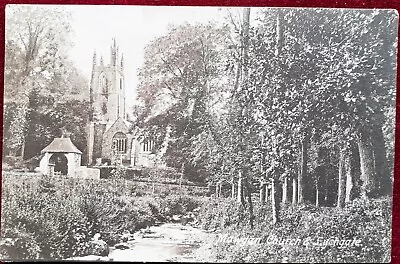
(61, 145)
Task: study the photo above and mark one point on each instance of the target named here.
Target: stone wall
(118, 126)
(97, 141)
(87, 173)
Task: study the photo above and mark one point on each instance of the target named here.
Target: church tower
(107, 88)
(107, 99)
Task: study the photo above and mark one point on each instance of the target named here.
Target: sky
(133, 27)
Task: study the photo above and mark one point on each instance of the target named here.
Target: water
(164, 243)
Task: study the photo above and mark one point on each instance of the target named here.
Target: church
(112, 139)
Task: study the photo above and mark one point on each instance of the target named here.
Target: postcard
(198, 134)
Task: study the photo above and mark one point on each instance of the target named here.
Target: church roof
(119, 121)
(61, 145)
(127, 123)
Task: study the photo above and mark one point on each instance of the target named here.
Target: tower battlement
(111, 138)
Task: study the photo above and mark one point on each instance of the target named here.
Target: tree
(184, 74)
(324, 54)
(42, 87)
(34, 55)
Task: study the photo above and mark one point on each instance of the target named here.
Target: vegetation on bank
(305, 109)
(158, 175)
(55, 218)
(303, 232)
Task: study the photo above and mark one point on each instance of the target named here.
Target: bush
(169, 175)
(155, 174)
(55, 218)
(178, 205)
(18, 245)
(221, 214)
(369, 221)
(58, 229)
(17, 163)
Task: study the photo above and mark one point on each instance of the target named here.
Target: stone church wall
(97, 142)
(107, 92)
(118, 126)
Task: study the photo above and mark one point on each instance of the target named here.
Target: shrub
(178, 204)
(60, 223)
(220, 214)
(18, 245)
(119, 172)
(366, 220)
(58, 229)
(164, 175)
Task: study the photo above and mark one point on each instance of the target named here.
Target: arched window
(103, 83)
(104, 108)
(147, 145)
(119, 142)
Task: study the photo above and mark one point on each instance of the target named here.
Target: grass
(55, 218)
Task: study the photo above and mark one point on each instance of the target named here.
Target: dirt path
(166, 243)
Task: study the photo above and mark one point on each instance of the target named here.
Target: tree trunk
(250, 202)
(342, 179)
(276, 186)
(368, 175)
(262, 192)
(303, 168)
(233, 190)
(23, 147)
(279, 33)
(353, 174)
(355, 168)
(284, 190)
(240, 197)
(275, 201)
(324, 183)
(299, 186)
(246, 27)
(294, 190)
(316, 194)
(349, 179)
(381, 165)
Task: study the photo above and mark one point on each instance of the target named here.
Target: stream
(165, 243)
(169, 242)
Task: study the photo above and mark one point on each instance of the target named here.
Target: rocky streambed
(169, 242)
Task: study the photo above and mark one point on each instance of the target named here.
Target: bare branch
(172, 70)
(171, 90)
(237, 27)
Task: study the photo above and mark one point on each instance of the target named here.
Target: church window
(147, 145)
(119, 142)
(104, 107)
(103, 83)
(144, 146)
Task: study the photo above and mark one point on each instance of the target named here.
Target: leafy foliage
(60, 224)
(186, 75)
(324, 76)
(367, 221)
(44, 92)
